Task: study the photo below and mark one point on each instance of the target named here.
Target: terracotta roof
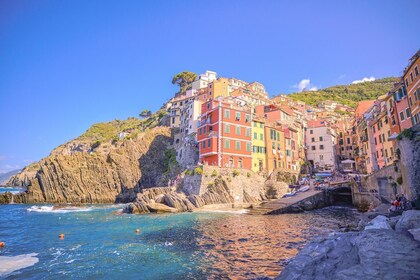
(362, 107)
(317, 123)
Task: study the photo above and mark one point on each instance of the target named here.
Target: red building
(224, 135)
(412, 83)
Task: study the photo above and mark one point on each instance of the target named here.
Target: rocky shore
(384, 248)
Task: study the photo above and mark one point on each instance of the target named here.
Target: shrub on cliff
(235, 173)
(214, 173)
(198, 170)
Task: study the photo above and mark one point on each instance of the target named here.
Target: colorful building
(224, 135)
(411, 78)
(275, 143)
(259, 149)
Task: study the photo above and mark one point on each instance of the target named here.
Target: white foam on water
(11, 264)
(50, 209)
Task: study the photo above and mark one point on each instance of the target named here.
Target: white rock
(380, 222)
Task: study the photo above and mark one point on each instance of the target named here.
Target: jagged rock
(74, 173)
(415, 233)
(371, 254)
(409, 220)
(307, 205)
(161, 208)
(379, 222)
(393, 221)
(196, 200)
(295, 209)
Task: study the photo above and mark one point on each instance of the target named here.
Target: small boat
(304, 189)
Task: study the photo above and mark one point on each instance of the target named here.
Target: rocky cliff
(107, 164)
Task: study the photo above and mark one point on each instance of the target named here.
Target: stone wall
(244, 182)
(383, 182)
(410, 163)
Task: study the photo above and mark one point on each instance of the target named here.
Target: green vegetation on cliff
(347, 94)
(103, 132)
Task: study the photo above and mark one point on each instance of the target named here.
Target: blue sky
(65, 65)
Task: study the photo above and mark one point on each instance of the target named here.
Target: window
(320, 138)
(278, 135)
(321, 157)
(402, 115)
(247, 118)
(255, 124)
(416, 71)
(273, 145)
(200, 131)
(238, 130)
(393, 120)
(406, 82)
(227, 114)
(209, 143)
(374, 130)
(248, 132)
(238, 145)
(248, 147)
(227, 144)
(313, 139)
(376, 143)
(261, 125)
(204, 130)
(238, 116)
(311, 131)
(411, 76)
(204, 144)
(408, 112)
(392, 151)
(348, 141)
(313, 148)
(227, 128)
(208, 105)
(261, 137)
(278, 146)
(386, 152)
(255, 135)
(321, 147)
(342, 148)
(377, 154)
(410, 102)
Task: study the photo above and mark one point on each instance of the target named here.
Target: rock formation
(377, 252)
(104, 165)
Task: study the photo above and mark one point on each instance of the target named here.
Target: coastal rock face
(371, 254)
(379, 222)
(85, 171)
(409, 220)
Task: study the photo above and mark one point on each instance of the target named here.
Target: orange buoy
(61, 236)
(137, 231)
(2, 244)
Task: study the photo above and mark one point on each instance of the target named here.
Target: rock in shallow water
(380, 222)
(372, 254)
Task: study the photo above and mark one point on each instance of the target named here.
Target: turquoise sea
(101, 243)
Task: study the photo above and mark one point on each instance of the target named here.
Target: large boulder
(379, 222)
(372, 254)
(160, 208)
(409, 220)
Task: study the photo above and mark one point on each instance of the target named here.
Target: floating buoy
(137, 231)
(61, 236)
(2, 244)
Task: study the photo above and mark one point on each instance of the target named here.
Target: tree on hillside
(184, 79)
(145, 113)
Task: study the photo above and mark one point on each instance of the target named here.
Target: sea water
(101, 243)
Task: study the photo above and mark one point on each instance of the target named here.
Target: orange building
(224, 135)
(411, 79)
(275, 143)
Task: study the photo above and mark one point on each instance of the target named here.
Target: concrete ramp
(286, 205)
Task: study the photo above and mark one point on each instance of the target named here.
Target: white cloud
(305, 85)
(365, 79)
(342, 76)
(3, 157)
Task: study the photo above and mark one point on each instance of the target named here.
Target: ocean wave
(51, 209)
(11, 264)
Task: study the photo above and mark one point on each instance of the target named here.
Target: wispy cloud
(3, 157)
(342, 76)
(8, 167)
(365, 79)
(305, 85)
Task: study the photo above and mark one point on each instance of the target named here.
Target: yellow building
(219, 87)
(259, 148)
